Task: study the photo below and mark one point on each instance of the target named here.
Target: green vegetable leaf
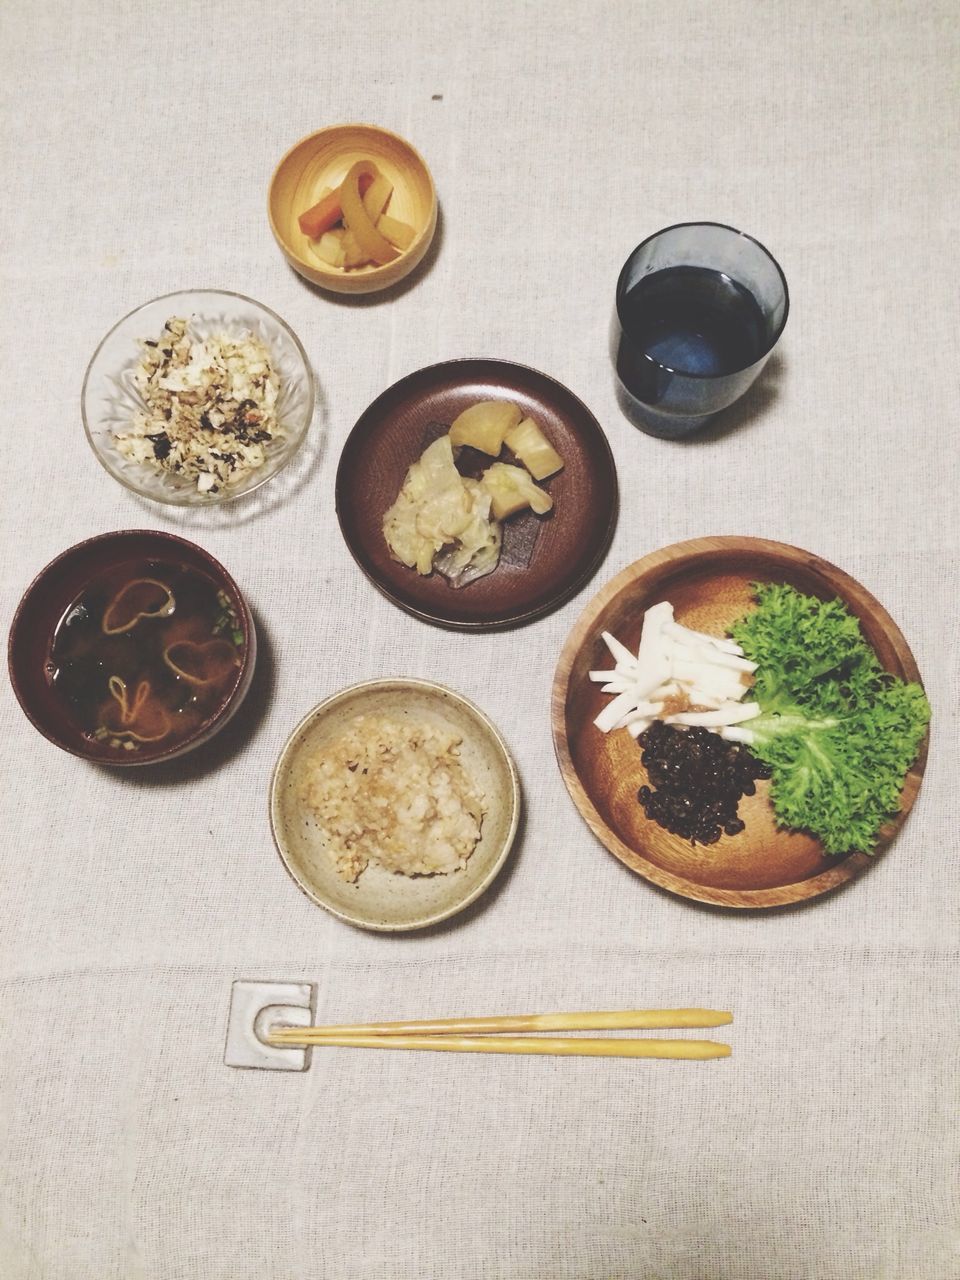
(838, 732)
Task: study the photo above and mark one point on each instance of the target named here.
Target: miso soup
(145, 654)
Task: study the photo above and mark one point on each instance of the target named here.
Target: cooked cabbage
(438, 510)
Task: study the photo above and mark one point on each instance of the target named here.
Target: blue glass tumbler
(699, 309)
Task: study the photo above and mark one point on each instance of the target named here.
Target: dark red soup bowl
(131, 648)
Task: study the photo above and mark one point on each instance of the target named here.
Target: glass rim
(722, 226)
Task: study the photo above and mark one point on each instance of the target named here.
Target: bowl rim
(224, 496)
(744, 899)
(372, 274)
(621, 290)
(315, 714)
(204, 729)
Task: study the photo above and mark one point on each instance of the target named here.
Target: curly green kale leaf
(838, 732)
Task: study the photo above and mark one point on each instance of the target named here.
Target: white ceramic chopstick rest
(255, 1007)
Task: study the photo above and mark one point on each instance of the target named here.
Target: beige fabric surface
(138, 144)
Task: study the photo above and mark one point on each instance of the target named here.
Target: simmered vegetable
(397, 232)
(484, 425)
(512, 490)
(334, 235)
(356, 218)
(327, 212)
(437, 508)
(376, 196)
(329, 248)
(533, 449)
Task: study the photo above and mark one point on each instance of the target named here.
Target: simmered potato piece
(533, 449)
(484, 425)
(511, 489)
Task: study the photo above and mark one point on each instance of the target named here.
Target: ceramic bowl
(53, 592)
(379, 899)
(320, 161)
(110, 397)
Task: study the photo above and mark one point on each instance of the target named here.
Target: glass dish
(110, 397)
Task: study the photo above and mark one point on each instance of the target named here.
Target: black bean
(696, 780)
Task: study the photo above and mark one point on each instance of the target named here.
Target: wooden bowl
(321, 160)
(544, 559)
(46, 601)
(708, 581)
(381, 900)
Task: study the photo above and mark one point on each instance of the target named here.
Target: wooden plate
(708, 582)
(380, 900)
(544, 559)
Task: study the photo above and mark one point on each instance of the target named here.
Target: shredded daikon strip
(638, 727)
(687, 636)
(673, 661)
(645, 711)
(733, 733)
(653, 652)
(728, 660)
(622, 705)
(708, 701)
(733, 713)
(708, 676)
(620, 652)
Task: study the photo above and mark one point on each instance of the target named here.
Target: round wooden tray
(708, 581)
(544, 559)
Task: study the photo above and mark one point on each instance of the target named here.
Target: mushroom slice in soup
(211, 662)
(141, 717)
(141, 598)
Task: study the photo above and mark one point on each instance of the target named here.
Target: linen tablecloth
(138, 144)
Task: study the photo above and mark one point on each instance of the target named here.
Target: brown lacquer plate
(708, 581)
(544, 559)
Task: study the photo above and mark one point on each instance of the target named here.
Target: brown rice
(396, 795)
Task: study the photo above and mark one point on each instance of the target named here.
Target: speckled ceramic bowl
(379, 899)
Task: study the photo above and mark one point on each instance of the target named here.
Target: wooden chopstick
(618, 1020)
(564, 1046)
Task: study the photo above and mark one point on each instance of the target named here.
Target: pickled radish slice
(356, 218)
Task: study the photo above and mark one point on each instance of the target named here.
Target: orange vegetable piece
(356, 218)
(326, 213)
